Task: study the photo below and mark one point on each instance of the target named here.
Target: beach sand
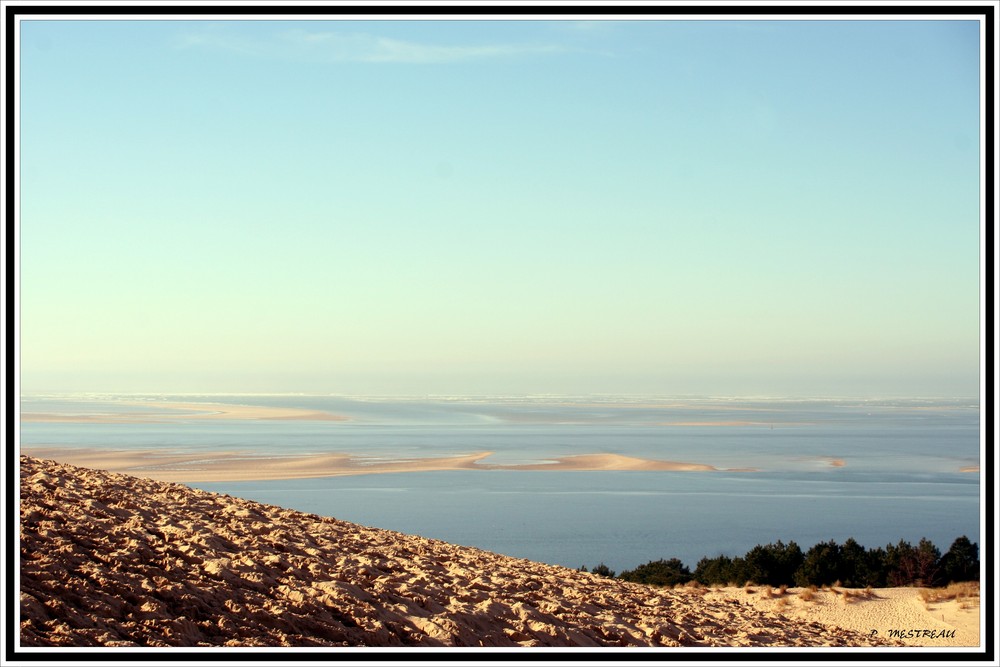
(880, 610)
(116, 560)
(228, 466)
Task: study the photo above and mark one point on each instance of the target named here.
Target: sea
(794, 470)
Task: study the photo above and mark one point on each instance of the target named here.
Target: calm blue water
(900, 479)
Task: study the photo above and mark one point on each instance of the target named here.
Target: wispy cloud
(334, 46)
(370, 48)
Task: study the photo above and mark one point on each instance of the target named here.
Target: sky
(783, 208)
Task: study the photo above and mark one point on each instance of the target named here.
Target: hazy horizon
(717, 208)
(611, 397)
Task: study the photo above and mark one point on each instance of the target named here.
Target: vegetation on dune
(828, 563)
(659, 573)
(965, 593)
(602, 570)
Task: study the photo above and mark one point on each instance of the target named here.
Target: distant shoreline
(229, 464)
(176, 411)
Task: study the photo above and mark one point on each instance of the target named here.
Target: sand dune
(115, 560)
(882, 611)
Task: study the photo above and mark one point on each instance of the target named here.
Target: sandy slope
(109, 559)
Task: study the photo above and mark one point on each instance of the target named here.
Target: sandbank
(229, 466)
(713, 423)
(185, 411)
(830, 461)
(607, 462)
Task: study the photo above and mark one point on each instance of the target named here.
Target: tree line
(823, 564)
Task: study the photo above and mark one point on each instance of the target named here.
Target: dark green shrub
(824, 564)
(659, 573)
(603, 570)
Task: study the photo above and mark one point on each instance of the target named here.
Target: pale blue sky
(675, 207)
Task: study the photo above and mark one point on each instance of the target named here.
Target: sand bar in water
(175, 411)
(229, 466)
